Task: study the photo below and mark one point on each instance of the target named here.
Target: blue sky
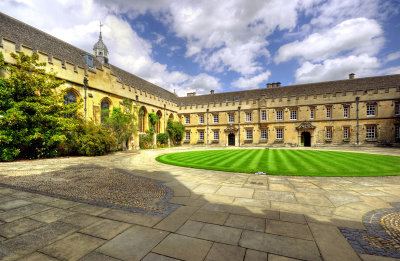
(230, 45)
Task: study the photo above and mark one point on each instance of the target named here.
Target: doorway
(306, 139)
(231, 139)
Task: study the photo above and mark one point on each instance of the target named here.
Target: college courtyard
(71, 209)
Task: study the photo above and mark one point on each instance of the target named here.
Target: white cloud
(252, 82)
(392, 57)
(359, 35)
(338, 68)
(390, 70)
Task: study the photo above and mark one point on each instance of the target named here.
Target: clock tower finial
(100, 49)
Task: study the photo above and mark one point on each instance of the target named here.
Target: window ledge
(346, 140)
(248, 141)
(186, 141)
(263, 140)
(215, 141)
(279, 141)
(328, 140)
(371, 139)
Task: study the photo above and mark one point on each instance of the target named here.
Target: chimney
(269, 85)
(191, 94)
(273, 84)
(351, 76)
(212, 91)
(278, 84)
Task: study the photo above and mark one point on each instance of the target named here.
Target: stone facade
(298, 115)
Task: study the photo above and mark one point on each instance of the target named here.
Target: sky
(203, 45)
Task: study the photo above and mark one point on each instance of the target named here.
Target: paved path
(224, 216)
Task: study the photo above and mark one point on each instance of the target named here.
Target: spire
(100, 49)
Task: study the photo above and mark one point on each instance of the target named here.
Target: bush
(88, 139)
(145, 141)
(175, 131)
(162, 140)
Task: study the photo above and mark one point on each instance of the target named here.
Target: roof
(21, 33)
(377, 82)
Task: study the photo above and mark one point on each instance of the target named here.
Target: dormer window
(88, 60)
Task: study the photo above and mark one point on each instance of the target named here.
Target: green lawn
(288, 162)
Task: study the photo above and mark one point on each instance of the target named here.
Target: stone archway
(231, 139)
(305, 131)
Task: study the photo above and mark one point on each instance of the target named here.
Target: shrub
(162, 140)
(175, 131)
(145, 141)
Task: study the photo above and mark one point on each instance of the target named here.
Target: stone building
(351, 111)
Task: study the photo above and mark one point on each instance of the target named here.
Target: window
(216, 135)
(236, 98)
(187, 136)
(105, 110)
(397, 132)
(249, 134)
(329, 133)
(345, 112)
(263, 115)
(88, 60)
(328, 112)
(312, 113)
(370, 110)
(201, 135)
(397, 109)
(69, 98)
(371, 132)
(182, 103)
(231, 118)
(346, 132)
(215, 118)
(248, 116)
(201, 119)
(264, 134)
(293, 114)
(279, 134)
(187, 119)
(227, 100)
(279, 115)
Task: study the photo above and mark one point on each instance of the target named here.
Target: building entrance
(306, 139)
(231, 139)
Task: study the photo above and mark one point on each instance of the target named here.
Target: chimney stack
(191, 94)
(273, 84)
(278, 84)
(269, 85)
(212, 91)
(351, 76)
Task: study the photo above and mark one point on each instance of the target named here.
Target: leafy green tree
(121, 123)
(153, 119)
(175, 131)
(33, 115)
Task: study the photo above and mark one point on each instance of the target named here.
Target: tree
(153, 119)
(175, 131)
(33, 115)
(121, 123)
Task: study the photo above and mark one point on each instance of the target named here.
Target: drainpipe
(358, 120)
(85, 83)
(239, 125)
(165, 115)
(207, 126)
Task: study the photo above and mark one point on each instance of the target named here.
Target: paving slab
(281, 187)
(205, 189)
(214, 198)
(248, 202)
(332, 244)
(223, 252)
(95, 256)
(133, 244)
(213, 217)
(187, 201)
(236, 192)
(38, 257)
(279, 196)
(246, 222)
(183, 247)
(22, 212)
(20, 226)
(80, 244)
(272, 257)
(176, 219)
(51, 215)
(280, 245)
(62, 203)
(16, 203)
(89, 209)
(132, 218)
(216, 233)
(366, 257)
(254, 255)
(156, 257)
(81, 220)
(106, 229)
(315, 199)
(292, 217)
(289, 229)
(38, 238)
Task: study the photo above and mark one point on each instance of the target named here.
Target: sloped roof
(21, 33)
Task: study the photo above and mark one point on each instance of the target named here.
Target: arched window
(158, 125)
(105, 110)
(69, 98)
(142, 119)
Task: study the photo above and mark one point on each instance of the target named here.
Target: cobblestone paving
(382, 236)
(221, 216)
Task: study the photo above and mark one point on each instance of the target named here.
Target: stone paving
(222, 216)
